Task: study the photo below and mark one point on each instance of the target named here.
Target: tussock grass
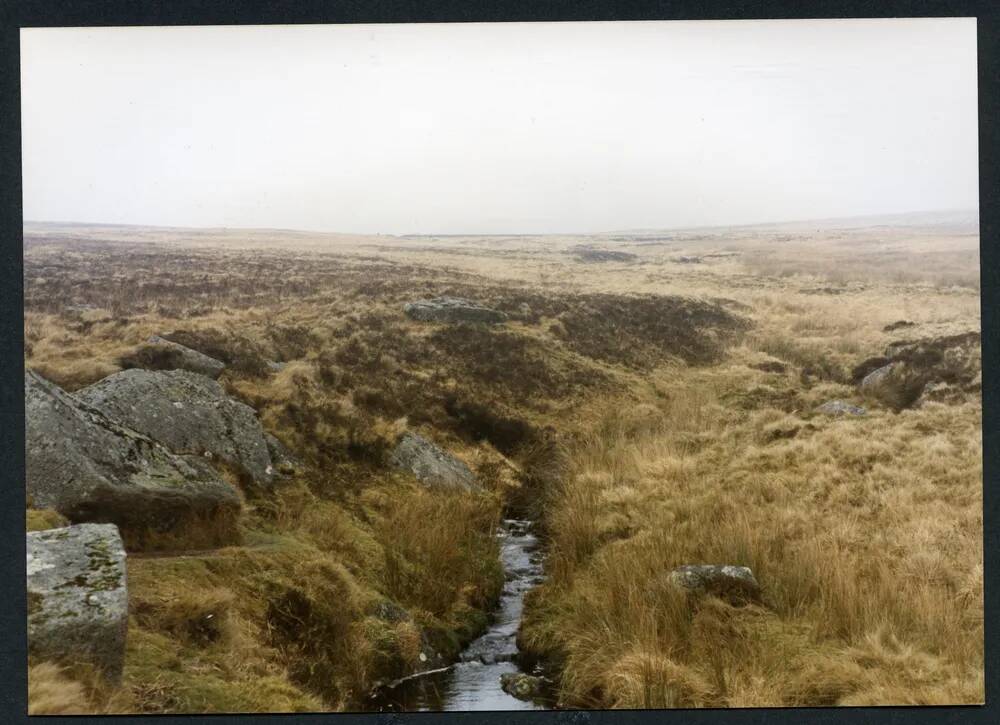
(618, 405)
(865, 535)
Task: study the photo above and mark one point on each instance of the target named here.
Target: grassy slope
(865, 534)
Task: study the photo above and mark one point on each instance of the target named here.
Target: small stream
(473, 683)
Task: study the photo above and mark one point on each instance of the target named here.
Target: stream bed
(473, 683)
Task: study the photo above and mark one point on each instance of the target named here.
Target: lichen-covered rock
(77, 601)
(521, 686)
(452, 309)
(189, 414)
(840, 407)
(89, 467)
(734, 583)
(430, 464)
(187, 359)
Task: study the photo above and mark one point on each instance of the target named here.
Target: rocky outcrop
(89, 467)
(184, 358)
(189, 414)
(736, 584)
(452, 309)
(521, 686)
(430, 464)
(77, 601)
(898, 325)
(899, 378)
(839, 408)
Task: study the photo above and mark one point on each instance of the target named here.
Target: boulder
(189, 414)
(866, 367)
(840, 407)
(736, 584)
(89, 467)
(899, 378)
(77, 601)
(521, 686)
(282, 460)
(877, 377)
(184, 358)
(430, 464)
(452, 309)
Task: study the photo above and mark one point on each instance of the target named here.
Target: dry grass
(627, 415)
(865, 535)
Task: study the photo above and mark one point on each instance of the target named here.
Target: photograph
(591, 365)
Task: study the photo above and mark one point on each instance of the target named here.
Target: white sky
(481, 128)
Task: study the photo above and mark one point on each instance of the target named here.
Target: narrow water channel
(473, 683)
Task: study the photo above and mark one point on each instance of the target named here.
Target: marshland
(636, 402)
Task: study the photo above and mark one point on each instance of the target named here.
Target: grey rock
(275, 367)
(452, 309)
(734, 583)
(521, 686)
(77, 599)
(189, 414)
(877, 378)
(430, 464)
(840, 407)
(282, 460)
(388, 611)
(184, 358)
(89, 467)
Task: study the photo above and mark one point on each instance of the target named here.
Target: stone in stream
(839, 408)
(182, 358)
(89, 467)
(77, 600)
(430, 464)
(452, 309)
(736, 584)
(521, 686)
(189, 414)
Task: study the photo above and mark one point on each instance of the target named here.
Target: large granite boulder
(452, 309)
(77, 601)
(89, 467)
(183, 358)
(736, 584)
(430, 464)
(189, 414)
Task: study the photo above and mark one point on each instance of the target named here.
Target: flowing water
(473, 683)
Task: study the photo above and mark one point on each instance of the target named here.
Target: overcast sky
(484, 128)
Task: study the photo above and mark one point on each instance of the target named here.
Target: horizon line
(636, 230)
